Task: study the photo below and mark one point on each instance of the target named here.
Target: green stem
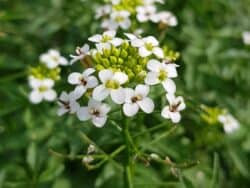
(128, 182)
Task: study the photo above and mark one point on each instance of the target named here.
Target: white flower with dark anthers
(80, 53)
(230, 124)
(137, 99)
(148, 46)
(165, 17)
(41, 90)
(106, 37)
(246, 37)
(95, 111)
(103, 11)
(119, 19)
(172, 111)
(83, 81)
(111, 85)
(53, 59)
(145, 13)
(161, 73)
(67, 103)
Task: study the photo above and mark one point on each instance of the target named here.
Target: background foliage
(214, 71)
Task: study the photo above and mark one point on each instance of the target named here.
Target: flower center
(149, 46)
(112, 84)
(83, 81)
(136, 98)
(162, 75)
(106, 38)
(65, 104)
(119, 19)
(43, 88)
(173, 108)
(95, 112)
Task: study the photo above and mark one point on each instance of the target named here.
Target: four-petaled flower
(165, 17)
(111, 84)
(137, 99)
(53, 59)
(41, 90)
(67, 103)
(145, 13)
(95, 111)
(172, 111)
(161, 73)
(83, 81)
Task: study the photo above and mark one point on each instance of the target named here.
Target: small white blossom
(161, 73)
(87, 159)
(145, 13)
(83, 81)
(106, 37)
(246, 37)
(41, 90)
(172, 111)
(91, 149)
(53, 59)
(111, 85)
(67, 103)
(80, 53)
(230, 124)
(95, 111)
(165, 17)
(103, 11)
(115, 2)
(118, 19)
(137, 99)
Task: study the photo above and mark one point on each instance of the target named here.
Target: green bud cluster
(124, 58)
(210, 114)
(128, 5)
(170, 54)
(41, 72)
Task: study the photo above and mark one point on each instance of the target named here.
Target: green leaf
(31, 156)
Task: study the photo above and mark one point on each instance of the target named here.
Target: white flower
(161, 73)
(67, 103)
(107, 37)
(147, 46)
(172, 111)
(95, 111)
(118, 19)
(246, 37)
(115, 2)
(80, 53)
(149, 2)
(83, 81)
(111, 85)
(53, 59)
(145, 13)
(41, 90)
(103, 11)
(137, 99)
(165, 17)
(230, 124)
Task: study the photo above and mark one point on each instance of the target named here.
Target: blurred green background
(215, 70)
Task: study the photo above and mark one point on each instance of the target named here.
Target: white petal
(92, 82)
(64, 96)
(48, 83)
(126, 24)
(120, 77)
(88, 72)
(151, 40)
(101, 46)
(95, 38)
(35, 97)
(171, 69)
(118, 95)
(79, 90)
(154, 65)
(74, 78)
(130, 109)
(117, 41)
(100, 93)
(144, 52)
(182, 105)
(62, 111)
(171, 98)
(146, 105)
(158, 52)
(104, 109)
(132, 37)
(76, 94)
(165, 112)
(142, 90)
(99, 121)
(129, 93)
(175, 117)
(105, 75)
(169, 86)
(50, 95)
(142, 17)
(111, 33)
(136, 42)
(74, 106)
(152, 78)
(94, 103)
(83, 114)
(63, 61)
(34, 83)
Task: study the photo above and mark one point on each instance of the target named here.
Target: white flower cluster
(230, 124)
(95, 86)
(120, 14)
(42, 86)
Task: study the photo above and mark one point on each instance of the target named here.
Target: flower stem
(128, 182)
